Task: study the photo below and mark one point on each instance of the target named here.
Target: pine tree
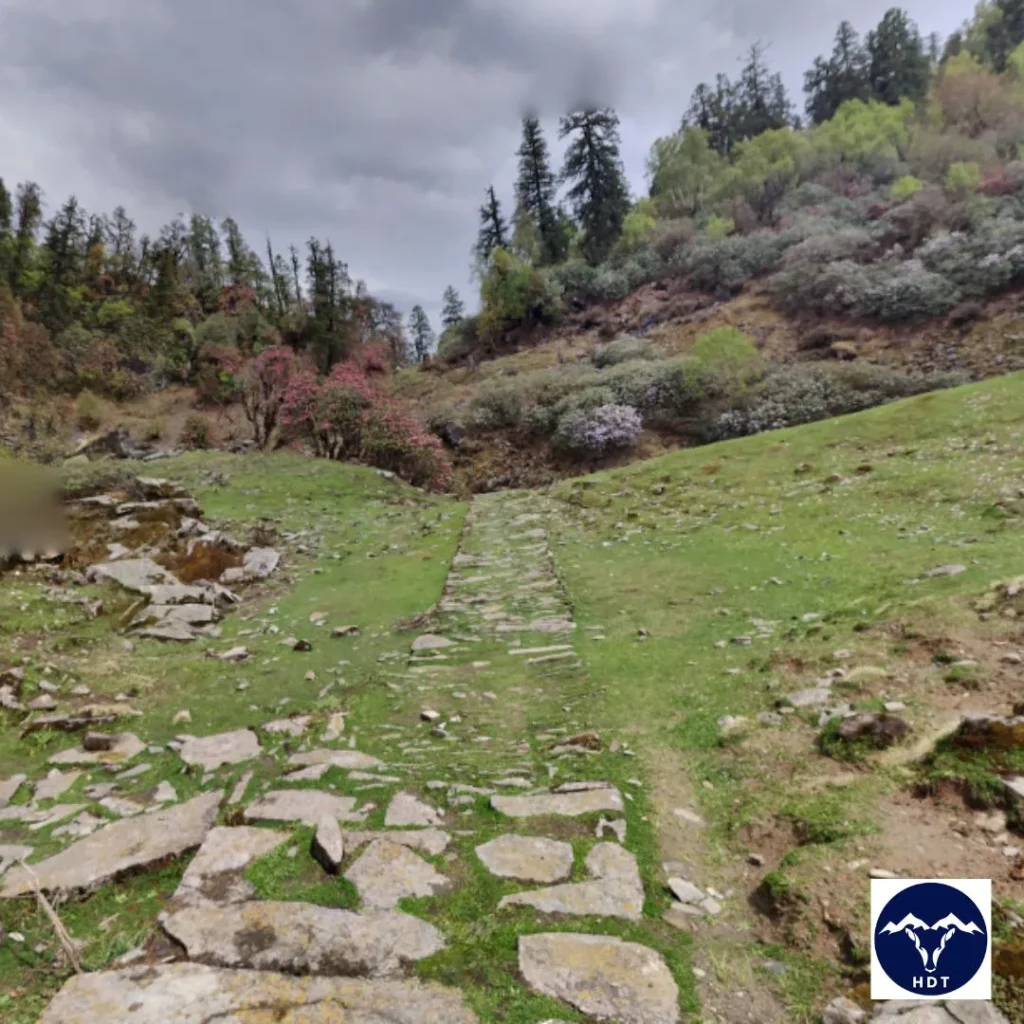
(6, 238)
(898, 65)
(28, 206)
(386, 322)
(119, 244)
(453, 312)
(535, 192)
(244, 269)
(761, 102)
(493, 229)
(844, 76)
(713, 110)
(422, 333)
(63, 257)
(593, 168)
(203, 269)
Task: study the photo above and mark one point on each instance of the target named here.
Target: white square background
(979, 890)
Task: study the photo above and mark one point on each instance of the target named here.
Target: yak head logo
(946, 928)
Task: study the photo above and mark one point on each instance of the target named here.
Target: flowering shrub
(346, 416)
(598, 432)
(264, 382)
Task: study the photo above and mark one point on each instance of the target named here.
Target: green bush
(905, 188)
(982, 263)
(501, 404)
(963, 178)
(195, 432)
(460, 340)
(622, 350)
(726, 265)
(719, 227)
(805, 394)
(88, 411)
(515, 294)
(726, 349)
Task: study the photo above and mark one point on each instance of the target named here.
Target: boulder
(527, 858)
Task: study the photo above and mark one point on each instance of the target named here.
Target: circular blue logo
(931, 939)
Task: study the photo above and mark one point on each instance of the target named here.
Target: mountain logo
(930, 938)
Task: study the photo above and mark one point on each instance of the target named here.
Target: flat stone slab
(406, 809)
(813, 698)
(429, 840)
(55, 783)
(300, 938)
(527, 858)
(131, 573)
(297, 726)
(601, 976)
(8, 788)
(565, 804)
(215, 877)
(210, 752)
(195, 994)
(430, 642)
(124, 746)
(119, 848)
(12, 854)
(387, 873)
(305, 805)
(334, 759)
(617, 890)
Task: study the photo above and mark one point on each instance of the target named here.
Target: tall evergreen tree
(762, 103)
(422, 333)
(244, 269)
(844, 76)
(119, 244)
(713, 110)
(493, 229)
(898, 65)
(203, 268)
(597, 184)
(1003, 31)
(28, 216)
(6, 237)
(535, 192)
(453, 312)
(63, 260)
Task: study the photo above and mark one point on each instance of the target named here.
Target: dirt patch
(204, 562)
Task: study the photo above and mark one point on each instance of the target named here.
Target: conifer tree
(597, 184)
(898, 65)
(844, 76)
(453, 312)
(493, 229)
(535, 192)
(422, 333)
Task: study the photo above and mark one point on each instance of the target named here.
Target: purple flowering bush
(597, 432)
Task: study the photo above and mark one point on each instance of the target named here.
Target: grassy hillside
(702, 586)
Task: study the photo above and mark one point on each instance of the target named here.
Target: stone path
(491, 694)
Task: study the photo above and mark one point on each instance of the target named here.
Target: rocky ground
(420, 763)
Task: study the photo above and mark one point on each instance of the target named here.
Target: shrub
(905, 188)
(499, 404)
(804, 394)
(910, 223)
(963, 178)
(346, 416)
(394, 439)
(460, 340)
(513, 293)
(88, 411)
(217, 380)
(575, 278)
(622, 350)
(724, 266)
(726, 349)
(907, 291)
(195, 432)
(979, 264)
(599, 431)
(113, 313)
(719, 227)
(670, 236)
(264, 382)
(103, 370)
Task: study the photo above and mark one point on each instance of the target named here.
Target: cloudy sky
(376, 123)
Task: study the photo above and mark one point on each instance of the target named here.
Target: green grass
(850, 515)
(838, 560)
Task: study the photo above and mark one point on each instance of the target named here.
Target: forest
(896, 194)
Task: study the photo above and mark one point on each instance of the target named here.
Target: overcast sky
(375, 123)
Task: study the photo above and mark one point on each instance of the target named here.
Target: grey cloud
(377, 123)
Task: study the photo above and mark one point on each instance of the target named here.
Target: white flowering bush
(599, 431)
